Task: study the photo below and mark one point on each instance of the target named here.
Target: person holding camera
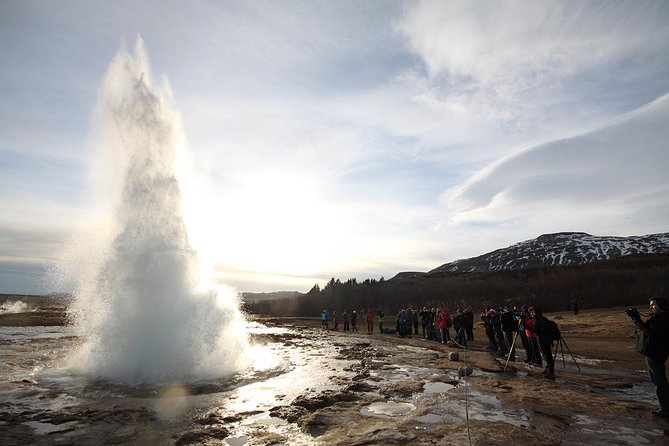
(654, 345)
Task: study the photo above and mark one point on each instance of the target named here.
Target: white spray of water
(15, 307)
(143, 315)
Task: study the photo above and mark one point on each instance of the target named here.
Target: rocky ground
(607, 401)
(388, 390)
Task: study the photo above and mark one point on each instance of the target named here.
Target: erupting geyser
(140, 310)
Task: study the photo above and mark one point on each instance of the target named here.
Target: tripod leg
(548, 354)
(513, 344)
(558, 347)
(572, 356)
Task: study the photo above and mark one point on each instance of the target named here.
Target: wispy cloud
(530, 62)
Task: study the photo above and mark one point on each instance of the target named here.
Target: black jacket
(656, 329)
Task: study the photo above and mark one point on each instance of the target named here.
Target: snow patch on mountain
(563, 248)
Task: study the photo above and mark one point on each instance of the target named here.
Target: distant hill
(558, 249)
(259, 297)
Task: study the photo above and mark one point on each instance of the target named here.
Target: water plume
(142, 313)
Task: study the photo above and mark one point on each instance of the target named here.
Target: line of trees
(629, 280)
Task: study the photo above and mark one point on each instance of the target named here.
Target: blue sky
(349, 138)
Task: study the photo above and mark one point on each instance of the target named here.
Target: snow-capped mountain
(563, 248)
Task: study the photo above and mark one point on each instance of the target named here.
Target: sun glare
(270, 228)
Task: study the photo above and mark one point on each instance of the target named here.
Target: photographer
(542, 331)
(654, 344)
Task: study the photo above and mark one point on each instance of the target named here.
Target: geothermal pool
(45, 403)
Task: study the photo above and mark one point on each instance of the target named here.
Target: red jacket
(445, 320)
(530, 327)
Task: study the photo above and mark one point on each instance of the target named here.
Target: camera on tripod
(633, 313)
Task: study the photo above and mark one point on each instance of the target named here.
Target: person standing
(414, 320)
(496, 321)
(347, 320)
(402, 323)
(459, 324)
(379, 318)
(424, 321)
(545, 341)
(354, 321)
(655, 333)
(524, 315)
(510, 328)
(469, 323)
(445, 323)
(335, 320)
(532, 338)
(370, 321)
(486, 318)
(325, 316)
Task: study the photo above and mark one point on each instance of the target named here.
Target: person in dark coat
(469, 323)
(459, 324)
(545, 341)
(656, 349)
(510, 327)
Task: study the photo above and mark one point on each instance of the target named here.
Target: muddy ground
(388, 390)
(600, 395)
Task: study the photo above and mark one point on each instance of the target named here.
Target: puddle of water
(400, 372)
(488, 408)
(266, 420)
(437, 387)
(236, 441)
(389, 409)
(48, 428)
(430, 418)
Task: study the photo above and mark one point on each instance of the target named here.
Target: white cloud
(541, 66)
(515, 42)
(603, 181)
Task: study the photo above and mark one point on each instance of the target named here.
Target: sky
(346, 139)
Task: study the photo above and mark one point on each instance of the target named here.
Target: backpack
(553, 330)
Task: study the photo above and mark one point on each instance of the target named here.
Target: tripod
(513, 344)
(561, 345)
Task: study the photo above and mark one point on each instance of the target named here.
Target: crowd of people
(503, 328)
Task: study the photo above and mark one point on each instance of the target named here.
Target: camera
(633, 313)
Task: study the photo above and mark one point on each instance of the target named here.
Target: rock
(361, 387)
(317, 424)
(326, 399)
(454, 356)
(465, 371)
